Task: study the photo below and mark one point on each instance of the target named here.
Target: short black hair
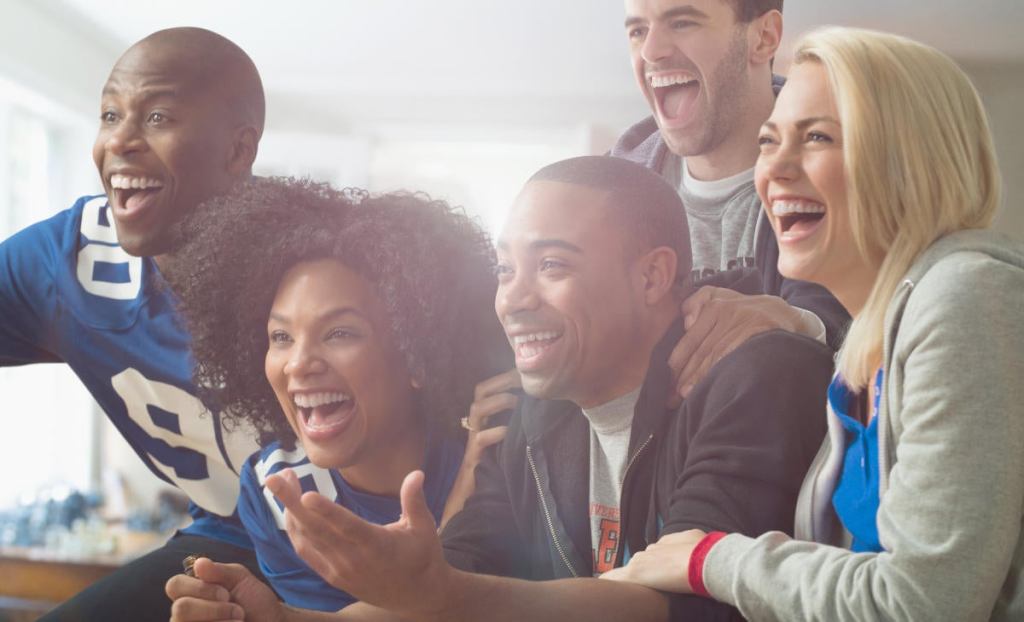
(640, 200)
(747, 10)
(431, 266)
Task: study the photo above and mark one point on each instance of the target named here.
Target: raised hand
(398, 567)
(492, 396)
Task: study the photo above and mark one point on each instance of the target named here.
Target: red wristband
(695, 571)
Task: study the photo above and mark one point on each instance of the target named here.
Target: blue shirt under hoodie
(856, 497)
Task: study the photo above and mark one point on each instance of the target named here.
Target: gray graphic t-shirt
(723, 216)
(609, 446)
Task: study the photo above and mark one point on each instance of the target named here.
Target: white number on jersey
(218, 493)
(93, 253)
(321, 477)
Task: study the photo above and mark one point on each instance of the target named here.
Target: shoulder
(776, 375)
(772, 356)
(638, 142)
(969, 285)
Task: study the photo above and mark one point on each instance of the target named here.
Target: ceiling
(336, 63)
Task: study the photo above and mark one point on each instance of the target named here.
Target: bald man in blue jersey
(180, 119)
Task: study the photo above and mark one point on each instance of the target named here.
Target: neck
(853, 293)
(631, 371)
(382, 472)
(739, 149)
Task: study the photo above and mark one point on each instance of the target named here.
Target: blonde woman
(879, 176)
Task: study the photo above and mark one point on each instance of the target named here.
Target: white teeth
(784, 208)
(312, 400)
(662, 81)
(521, 339)
(125, 182)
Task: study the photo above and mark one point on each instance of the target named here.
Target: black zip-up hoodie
(731, 458)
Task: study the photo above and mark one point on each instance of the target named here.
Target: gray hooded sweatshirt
(951, 454)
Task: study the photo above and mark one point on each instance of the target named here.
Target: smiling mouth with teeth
(674, 93)
(530, 345)
(323, 412)
(797, 216)
(132, 191)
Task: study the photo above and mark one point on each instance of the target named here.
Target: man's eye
(681, 24)
(636, 33)
(108, 116)
(156, 117)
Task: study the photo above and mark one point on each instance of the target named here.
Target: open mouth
(675, 94)
(530, 348)
(132, 194)
(797, 218)
(323, 415)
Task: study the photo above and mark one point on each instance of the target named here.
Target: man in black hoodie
(705, 68)
(592, 265)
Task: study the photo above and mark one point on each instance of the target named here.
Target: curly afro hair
(431, 265)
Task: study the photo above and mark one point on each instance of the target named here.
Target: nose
(123, 138)
(656, 46)
(304, 360)
(516, 293)
(782, 164)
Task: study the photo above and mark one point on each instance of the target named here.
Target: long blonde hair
(919, 162)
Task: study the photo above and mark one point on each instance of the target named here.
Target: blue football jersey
(68, 292)
(263, 515)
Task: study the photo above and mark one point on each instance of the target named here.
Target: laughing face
(331, 360)
(802, 184)
(164, 145)
(690, 60)
(569, 297)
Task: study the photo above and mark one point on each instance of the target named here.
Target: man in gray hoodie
(705, 68)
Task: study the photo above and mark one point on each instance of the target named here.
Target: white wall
(1002, 89)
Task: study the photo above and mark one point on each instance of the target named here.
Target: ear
(658, 273)
(244, 144)
(764, 34)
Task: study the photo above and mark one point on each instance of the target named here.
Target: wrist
(449, 597)
(695, 569)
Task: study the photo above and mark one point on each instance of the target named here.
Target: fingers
(490, 436)
(285, 486)
(498, 384)
(182, 586)
(482, 408)
(190, 609)
(226, 575)
(415, 510)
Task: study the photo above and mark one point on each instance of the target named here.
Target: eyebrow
(170, 93)
(330, 315)
(803, 123)
(686, 10)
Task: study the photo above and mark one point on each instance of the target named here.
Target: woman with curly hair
(349, 332)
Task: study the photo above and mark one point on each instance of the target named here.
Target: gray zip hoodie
(951, 453)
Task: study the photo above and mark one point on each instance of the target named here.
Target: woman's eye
(818, 137)
(342, 333)
(108, 116)
(502, 271)
(765, 139)
(157, 117)
(550, 264)
(279, 336)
